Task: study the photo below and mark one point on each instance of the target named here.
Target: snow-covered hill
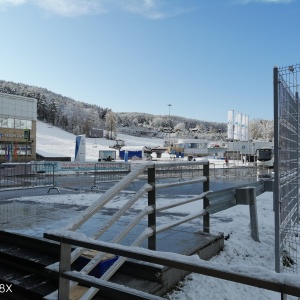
(53, 141)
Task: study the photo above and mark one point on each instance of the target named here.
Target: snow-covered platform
(30, 220)
(158, 280)
(34, 254)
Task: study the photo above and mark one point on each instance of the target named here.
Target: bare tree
(111, 123)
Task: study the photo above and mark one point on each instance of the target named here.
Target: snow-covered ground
(240, 249)
(53, 141)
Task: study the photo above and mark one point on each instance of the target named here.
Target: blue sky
(204, 57)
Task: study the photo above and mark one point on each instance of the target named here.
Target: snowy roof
(47, 154)
(133, 148)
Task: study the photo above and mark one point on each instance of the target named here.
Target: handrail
(92, 291)
(77, 252)
(253, 276)
(164, 207)
(106, 197)
(149, 210)
(97, 258)
(173, 184)
(162, 228)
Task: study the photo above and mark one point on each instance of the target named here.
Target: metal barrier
(15, 175)
(242, 195)
(187, 171)
(286, 166)
(110, 171)
(231, 170)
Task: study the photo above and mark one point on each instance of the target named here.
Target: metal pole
(247, 196)
(152, 202)
(169, 122)
(276, 199)
(253, 214)
(298, 132)
(206, 217)
(64, 265)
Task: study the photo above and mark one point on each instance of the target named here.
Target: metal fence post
(152, 202)
(64, 265)
(276, 201)
(206, 217)
(246, 196)
(253, 214)
(53, 179)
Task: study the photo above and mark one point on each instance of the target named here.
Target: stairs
(24, 259)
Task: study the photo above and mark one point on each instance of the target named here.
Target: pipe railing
(252, 276)
(150, 232)
(212, 202)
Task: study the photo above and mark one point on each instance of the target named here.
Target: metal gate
(286, 167)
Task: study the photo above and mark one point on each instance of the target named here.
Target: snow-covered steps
(24, 260)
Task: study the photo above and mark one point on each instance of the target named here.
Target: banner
(80, 148)
(247, 128)
(244, 128)
(235, 130)
(230, 125)
(16, 150)
(239, 130)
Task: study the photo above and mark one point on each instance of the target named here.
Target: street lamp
(169, 120)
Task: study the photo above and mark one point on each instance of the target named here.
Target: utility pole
(169, 121)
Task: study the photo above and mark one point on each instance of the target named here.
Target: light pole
(169, 120)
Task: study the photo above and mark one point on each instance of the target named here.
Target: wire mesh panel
(286, 192)
(229, 171)
(110, 171)
(181, 172)
(26, 175)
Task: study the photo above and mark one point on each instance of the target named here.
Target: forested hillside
(79, 117)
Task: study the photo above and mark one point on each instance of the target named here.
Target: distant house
(196, 129)
(96, 133)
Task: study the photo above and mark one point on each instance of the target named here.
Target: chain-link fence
(286, 191)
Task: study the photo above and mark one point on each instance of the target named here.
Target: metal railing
(149, 211)
(215, 202)
(212, 203)
(252, 276)
(32, 175)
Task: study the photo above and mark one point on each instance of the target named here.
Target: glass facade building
(18, 116)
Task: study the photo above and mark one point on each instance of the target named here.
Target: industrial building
(18, 117)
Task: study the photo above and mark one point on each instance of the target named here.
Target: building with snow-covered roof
(18, 116)
(134, 152)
